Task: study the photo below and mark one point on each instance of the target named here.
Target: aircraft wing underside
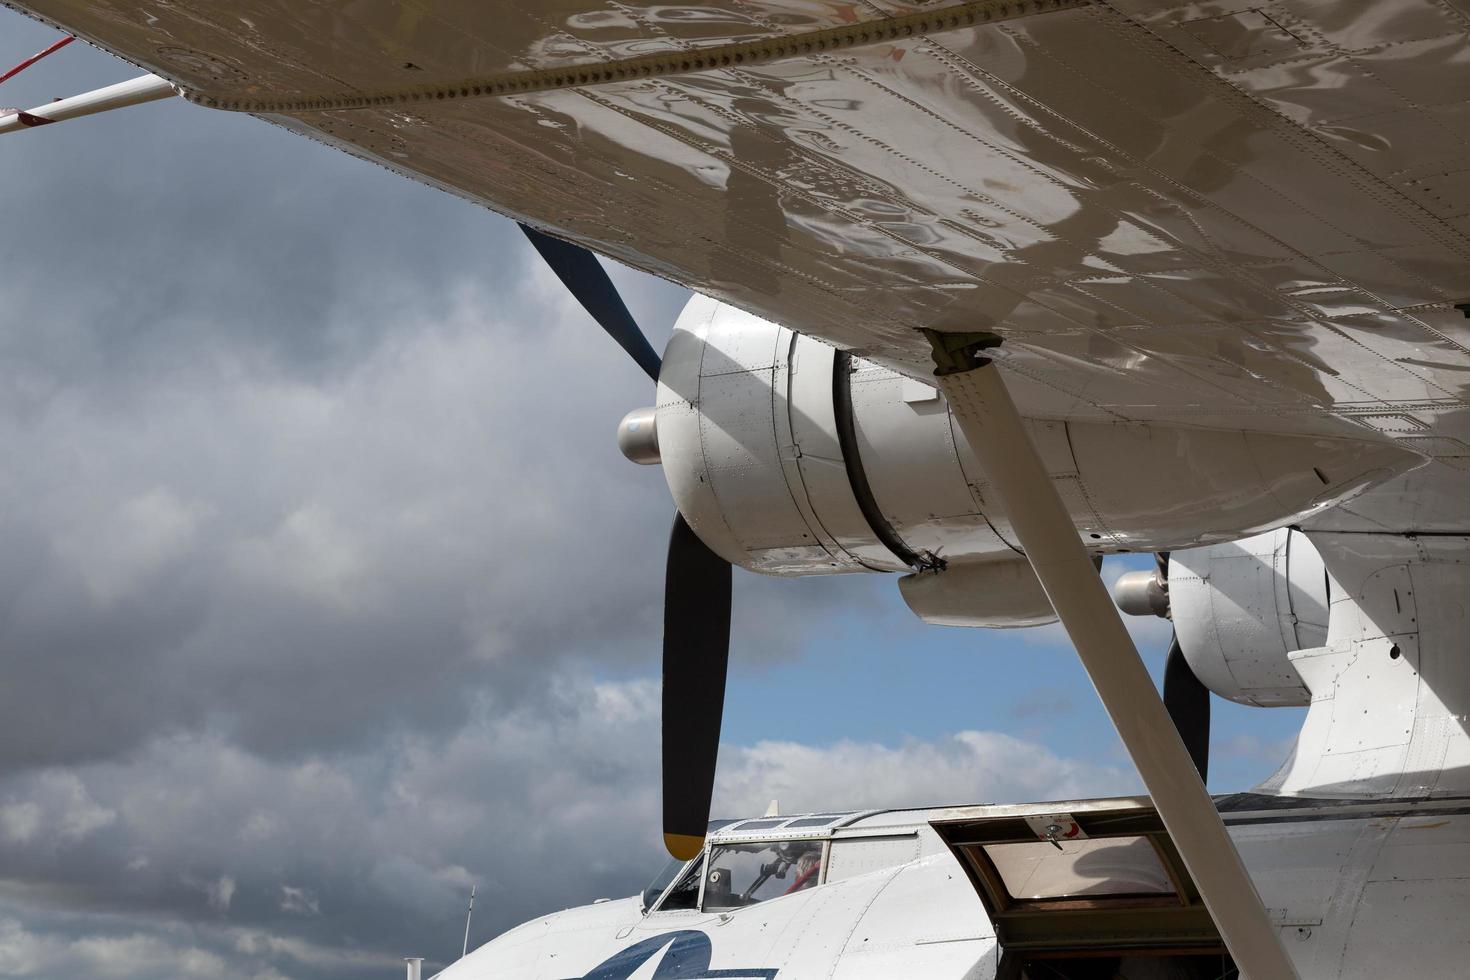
(1248, 217)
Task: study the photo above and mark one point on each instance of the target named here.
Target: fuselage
(1356, 888)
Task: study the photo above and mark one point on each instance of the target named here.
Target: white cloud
(78, 814)
(132, 956)
(219, 893)
(56, 808)
(309, 552)
(118, 545)
(140, 955)
(299, 901)
(172, 951)
(19, 821)
(261, 825)
(967, 767)
(256, 942)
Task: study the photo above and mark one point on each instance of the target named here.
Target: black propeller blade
(696, 592)
(584, 277)
(1185, 697)
(696, 653)
(1188, 702)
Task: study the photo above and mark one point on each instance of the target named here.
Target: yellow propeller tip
(684, 846)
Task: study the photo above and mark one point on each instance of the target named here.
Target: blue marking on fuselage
(687, 959)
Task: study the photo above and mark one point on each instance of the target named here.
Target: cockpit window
(744, 874)
(685, 893)
(661, 881)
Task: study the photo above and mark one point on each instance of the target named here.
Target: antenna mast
(465, 951)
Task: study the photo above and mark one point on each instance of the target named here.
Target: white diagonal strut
(145, 88)
(987, 416)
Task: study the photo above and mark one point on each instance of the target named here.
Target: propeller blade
(696, 653)
(1187, 700)
(584, 277)
(1188, 703)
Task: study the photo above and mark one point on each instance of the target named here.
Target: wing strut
(977, 394)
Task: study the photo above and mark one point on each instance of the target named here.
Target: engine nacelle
(1240, 608)
(791, 458)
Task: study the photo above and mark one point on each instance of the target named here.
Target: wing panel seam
(740, 54)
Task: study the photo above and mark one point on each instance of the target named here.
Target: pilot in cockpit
(808, 866)
(744, 874)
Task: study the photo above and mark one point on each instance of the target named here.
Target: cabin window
(744, 874)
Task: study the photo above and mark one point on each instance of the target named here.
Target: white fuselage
(905, 909)
(1358, 891)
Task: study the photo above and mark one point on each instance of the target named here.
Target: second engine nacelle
(1240, 608)
(789, 457)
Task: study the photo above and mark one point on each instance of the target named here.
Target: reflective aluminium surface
(1188, 211)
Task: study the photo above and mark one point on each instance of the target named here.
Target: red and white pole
(37, 57)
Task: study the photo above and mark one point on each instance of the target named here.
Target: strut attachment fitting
(956, 353)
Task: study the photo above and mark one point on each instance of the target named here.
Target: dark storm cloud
(308, 563)
(304, 448)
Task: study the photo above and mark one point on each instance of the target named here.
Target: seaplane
(987, 291)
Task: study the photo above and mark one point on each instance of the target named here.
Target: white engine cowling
(791, 458)
(1240, 608)
(1004, 594)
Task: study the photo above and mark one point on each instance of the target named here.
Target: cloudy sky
(325, 593)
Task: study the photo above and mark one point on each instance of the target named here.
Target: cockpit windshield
(744, 874)
(661, 881)
(684, 894)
